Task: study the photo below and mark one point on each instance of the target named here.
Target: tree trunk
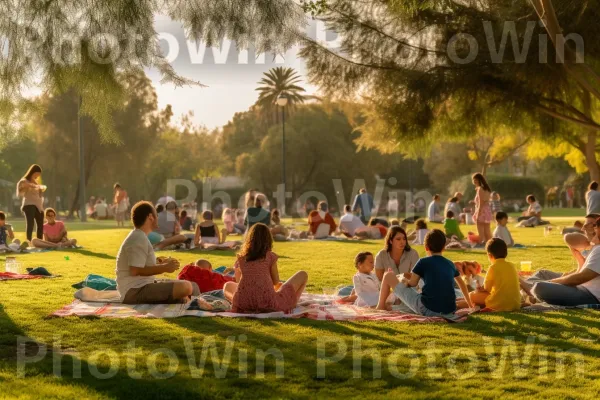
(590, 144)
(484, 168)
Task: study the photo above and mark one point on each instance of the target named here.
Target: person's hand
(172, 265)
(407, 275)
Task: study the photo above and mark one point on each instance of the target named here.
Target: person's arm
(171, 265)
(413, 281)
(9, 231)
(577, 278)
(197, 236)
(274, 273)
(218, 233)
(237, 271)
(463, 288)
(488, 282)
(578, 257)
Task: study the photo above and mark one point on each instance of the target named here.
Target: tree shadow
(84, 252)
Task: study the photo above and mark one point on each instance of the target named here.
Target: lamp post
(282, 101)
(82, 207)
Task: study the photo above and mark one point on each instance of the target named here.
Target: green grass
(447, 360)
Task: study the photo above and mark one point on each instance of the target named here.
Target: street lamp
(282, 101)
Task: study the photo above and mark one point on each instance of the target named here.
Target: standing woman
(120, 201)
(483, 210)
(33, 201)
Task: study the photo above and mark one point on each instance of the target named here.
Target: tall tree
(83, 45)
(415, 58)
(279, 81)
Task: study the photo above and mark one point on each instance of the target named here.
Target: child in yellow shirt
(501, 290)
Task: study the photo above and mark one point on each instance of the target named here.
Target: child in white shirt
(501, 230)
(366, 283)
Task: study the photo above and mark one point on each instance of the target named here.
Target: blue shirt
(364, 203)
(438, 274)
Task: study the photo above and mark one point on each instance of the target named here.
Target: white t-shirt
(349, 223)
(593, 262)
(420, 239)
(101, 209)
(535, 208)
(136, 251)
(503, 233)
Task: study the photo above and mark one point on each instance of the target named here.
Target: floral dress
(483, 211)
(255, 292)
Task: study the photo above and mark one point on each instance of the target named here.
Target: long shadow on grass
(84, 252)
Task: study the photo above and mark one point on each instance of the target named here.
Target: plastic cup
(526, 266)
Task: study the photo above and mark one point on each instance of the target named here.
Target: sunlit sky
(230, 85)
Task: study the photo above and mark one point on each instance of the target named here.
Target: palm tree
(279, 81)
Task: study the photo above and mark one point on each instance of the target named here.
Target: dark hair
(497, 248)
(593, 185)
(435, 241)
(116, 186)
(258, 243)
(500, 215)
(436, 197)
(421, 224)
(34, 168)
(361, 257)
(140, 212)
(207, 215)
(449, 214)
(482, 182)
(391, 234)
(49, 210)
(593, 215)
(183, 214)
(171, 205)
(257, 202)
(531, 198)
(347, 208)
(2, 216)
(160, 208)
(275, 218)
(322, 206)
(452, 200)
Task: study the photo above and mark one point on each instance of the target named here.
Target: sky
(230, 85)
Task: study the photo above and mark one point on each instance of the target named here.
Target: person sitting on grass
(257, 276)
(168, 231)
(419, 232)
(397, 254)
(7, 237)
(501, 289)
(350, 223)
(137, 265)
(207, 231)
(501, 231)
(438, 298)
(533, 216)
(581, 241)
(257, 214)
(321, 223)
(185, 221)
(451, 226)
(276, 226)
(229, 221)
(55, 233)
(433, 211)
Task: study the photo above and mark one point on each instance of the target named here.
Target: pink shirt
(53, 231)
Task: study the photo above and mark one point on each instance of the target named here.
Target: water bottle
(9, 265)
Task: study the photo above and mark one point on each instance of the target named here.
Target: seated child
(7, 237)
(451, 226)
(366, 283)
(501, 289)
(469, 271)
(186, 222)
(55, 233)
(439, 274)
(420, 232)
(207, 231)
(202, 274)
(276, 226)
(501, 231)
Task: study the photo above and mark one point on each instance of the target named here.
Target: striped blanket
(312, 306)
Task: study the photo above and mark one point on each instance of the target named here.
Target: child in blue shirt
(438, 273)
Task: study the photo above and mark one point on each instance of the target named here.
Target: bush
(513, 188)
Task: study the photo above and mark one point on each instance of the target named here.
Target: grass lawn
(514, 355)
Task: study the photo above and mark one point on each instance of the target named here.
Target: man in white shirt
(137, 265)
(350, 223)
(433, 212)
(101, 209)
(533, 215)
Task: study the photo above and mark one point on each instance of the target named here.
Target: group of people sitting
(54, 235)
(395, 279)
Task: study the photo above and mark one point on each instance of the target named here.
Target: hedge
(510, 187)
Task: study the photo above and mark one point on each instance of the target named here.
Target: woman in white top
(592, 199)
(397, 254)
(33, 201)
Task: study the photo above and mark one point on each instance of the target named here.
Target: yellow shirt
(502, 282)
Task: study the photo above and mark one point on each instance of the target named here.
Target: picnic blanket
(229, 245)
(11, 276)
(311, 306)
